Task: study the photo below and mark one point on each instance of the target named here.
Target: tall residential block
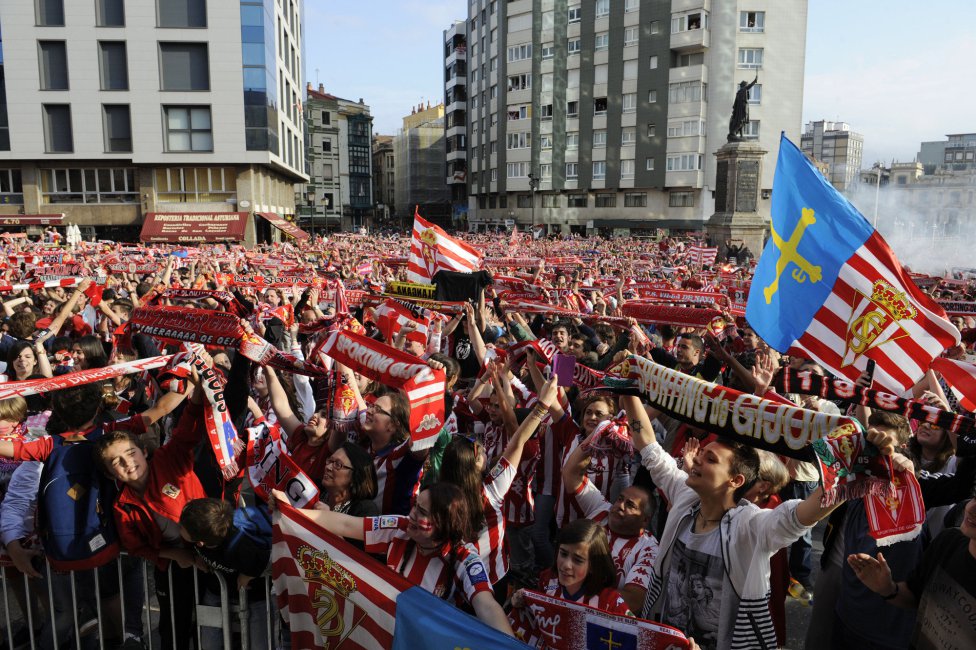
(339, 193)
(419, 151)
(456, 117)
(617, 107)
(113, 111)
(838, 147)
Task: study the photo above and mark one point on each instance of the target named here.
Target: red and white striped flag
(391, 316)
(330, 594)
(961, 377)
(701, 255)
(433, 250)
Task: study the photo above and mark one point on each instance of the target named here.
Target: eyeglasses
(335, 463)
(373, 407)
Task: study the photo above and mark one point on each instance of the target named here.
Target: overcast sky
(898, 72)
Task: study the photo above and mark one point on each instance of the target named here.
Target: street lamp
(533, 185)
(877, 191)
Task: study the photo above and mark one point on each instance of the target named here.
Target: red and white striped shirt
(633, 556)
(608, 600)
(387, 535)
(599, 472)
(492, 535)
(397, 478)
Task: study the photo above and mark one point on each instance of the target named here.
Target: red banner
(179, 227)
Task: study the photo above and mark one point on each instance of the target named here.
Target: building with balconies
(419, 151)
(384, 178)
(604, 116)
(840, 148)
(455, 117)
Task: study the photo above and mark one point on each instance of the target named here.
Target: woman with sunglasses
(428, 548)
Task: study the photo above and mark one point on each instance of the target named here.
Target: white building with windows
(838, 147)
(617, 106)
(113, 111)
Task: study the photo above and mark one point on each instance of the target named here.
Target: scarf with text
(271, 467)
(583, 376)
(423, 386)
(652, 312)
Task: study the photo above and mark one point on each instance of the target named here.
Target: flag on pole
(330, 594)
(433, 250)
(829, 288)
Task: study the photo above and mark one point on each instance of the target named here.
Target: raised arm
(640, 423)
(279, 402)
(547, 396)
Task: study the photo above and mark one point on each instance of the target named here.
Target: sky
(897, 72)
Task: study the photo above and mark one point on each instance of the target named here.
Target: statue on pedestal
(740, 110)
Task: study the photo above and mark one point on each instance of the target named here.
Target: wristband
(892, 594)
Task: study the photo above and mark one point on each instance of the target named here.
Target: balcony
(690, 5)
(457, 154)
(453, 131)
(691, 40)
(688, 73)
(691, 178)
(459, 53)
(457, 80)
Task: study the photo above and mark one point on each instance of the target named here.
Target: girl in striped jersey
(583, 571)
(464, 465)
(428, 548)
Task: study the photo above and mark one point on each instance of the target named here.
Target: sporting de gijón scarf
(828, 287)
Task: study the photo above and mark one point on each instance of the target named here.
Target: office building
(339, 194)
(419, 151)
(837, 146)
(618, 107)
(956, 153)
(113, 111)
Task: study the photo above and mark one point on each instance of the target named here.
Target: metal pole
(877, 193)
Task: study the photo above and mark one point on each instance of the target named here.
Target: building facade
(618, 107)
(840, 148)
(176, 107)
(956, 153)
(419, 150)
(384, 179)
(339, 193)
(456, 117)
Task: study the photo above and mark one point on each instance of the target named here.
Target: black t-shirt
(246, 556)
(945, 584)
(462, 351)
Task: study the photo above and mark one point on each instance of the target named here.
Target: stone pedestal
(738, 178)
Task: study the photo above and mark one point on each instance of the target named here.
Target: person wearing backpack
(236, 542)
(147, 511)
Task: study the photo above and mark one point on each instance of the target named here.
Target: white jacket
(750, 536)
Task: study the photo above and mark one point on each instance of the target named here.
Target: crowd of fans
(532, 484)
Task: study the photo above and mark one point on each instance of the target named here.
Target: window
(602, 8)
(573, 46)
(599, 138)
(110, 13)
(651, 96)
(752, 21)
(572, 141)
(518, 169)
(576, 200)
(547, 82)
(520, 52)
(750, 57)
(492, 147)
(600, 73)
(53, 60)
(519, 82)
(200, 185)
(686, 127)
(575, 14)
(631, 35)
(326, 118)
(602, 41)
(49, 13)
(545, 112)
(188, 128)
(493, 92)
(751, 129)
(599, 170)
(494, 176)
(635, 200)
(326, 146)
(630, 69)
(572, 170)
(681, 199)
(548, 50)
(113, 65)
(652, 62)
(684, 162)
(631, 5)
(606, 200)
(494, 35)
(545, 142)
(626, 168)
(572, 109)
(517, 141)
(573, 78)
(89, 185)
(685, 60)
(649, 164)
(600, 106)
(628, 136)
(655, 27)
(184, 66)
(629, 102)
(492, 63)
(545, 170)
(755, 94)
(117, 128)
(11, 187)
(688, 22)
(57, 128)
(523, 201)
(651, 130)
(181, 13)
(686, 91)
(550, 200)
(518, 112)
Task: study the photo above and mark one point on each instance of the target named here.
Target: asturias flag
(828, 288)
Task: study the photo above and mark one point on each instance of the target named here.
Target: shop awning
(188, 227)
(284, 226)
(31, 219)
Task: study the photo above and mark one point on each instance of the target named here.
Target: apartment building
(419, 151)
(384, 178)
(114, 112)
(456, 117)
(838, 147)
(604, 116)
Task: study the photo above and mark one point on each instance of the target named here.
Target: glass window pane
(202, 141)
(104, 180)
(178, 118)
(253, 53)
(179, 141)
(118, 179)
(200, 118)
(74, 180)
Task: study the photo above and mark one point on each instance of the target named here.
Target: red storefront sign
(188, 227)
(284, 226)
(31, 219)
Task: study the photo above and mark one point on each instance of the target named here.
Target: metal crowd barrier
(95, 630)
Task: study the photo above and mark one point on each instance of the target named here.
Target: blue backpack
(75, 507)
(253, 522)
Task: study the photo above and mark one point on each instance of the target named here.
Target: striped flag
(829, 288)
(961, 377)
(701, 255)
(391, 316)
(433, 250)
(330, 594)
